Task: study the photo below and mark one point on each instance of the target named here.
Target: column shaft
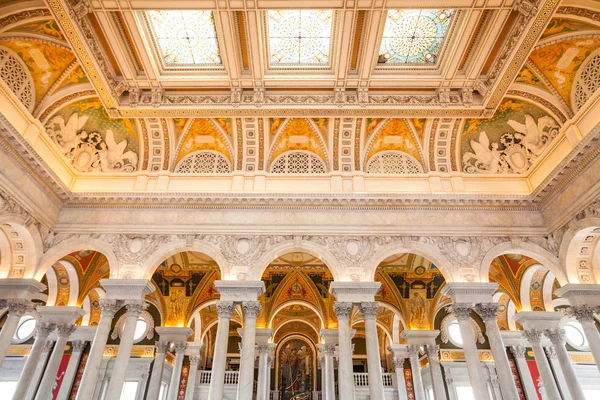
(16, 309)
(176, 375)
(327, 367)
(246, 383)
(557, 337)
(157, 370)
(263, 365)
(217, 379)
(67, 382)
(417, 378)
(489, 314)
(39, 370)
(345, 370)
(435, 368)
(89, 379)
(534, 337)
(35, 353)
(585, 316)
(400, 381)
(369, 311)
(526, 379)
(191, 385)
(117, 377)
(462, 311)
(64, 331)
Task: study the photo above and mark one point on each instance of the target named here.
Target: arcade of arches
(324, 200)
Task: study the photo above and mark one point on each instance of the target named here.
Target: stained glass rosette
(299, 37)
(185, 37)
(414, 36)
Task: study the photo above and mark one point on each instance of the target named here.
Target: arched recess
(63, 284)
(315, 250)
(182, 245)
(298, 134)
(506, 309)
(20, 246)
(411, 283)
(577, 250)
(359, 320)
(195, 320)
(91, 307)
(398, 323)
(280, 331)
(204, 134)
(528, 249)
(296, 302)
(426, 251)
(281, 347)
(72, 245)
(184, 282)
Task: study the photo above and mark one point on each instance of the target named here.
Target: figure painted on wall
(296, 371)
(416, 305)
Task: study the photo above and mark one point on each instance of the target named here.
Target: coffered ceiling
(458, 58)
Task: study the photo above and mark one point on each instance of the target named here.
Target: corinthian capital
(65, 330)
(251, 308)
(18, 307)
(369, 309)
(135, 307)
(195, 360)
(462, 311)
(433, 351)
(517, 351)
(413, 350)
(556, 336)
(225, 308)
(583, 312)
(180, 347)
(161, 346)
(44, 328)
(342, 309)
(487, 311)
(533, 335)
(109, 307)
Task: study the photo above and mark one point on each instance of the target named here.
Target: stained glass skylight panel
(300, 37)
(414, 36)
(185, 37)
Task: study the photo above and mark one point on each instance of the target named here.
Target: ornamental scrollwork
(118, 329)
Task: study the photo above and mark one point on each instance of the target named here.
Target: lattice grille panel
(203, 162)
(587, 82)
(17, 78)
(393, 162)
(296, 162)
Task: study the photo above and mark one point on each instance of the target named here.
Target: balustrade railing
(361, 379)
(231, 377)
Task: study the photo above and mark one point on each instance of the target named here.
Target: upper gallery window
(414, 36)
(299, 37)
(185, 37)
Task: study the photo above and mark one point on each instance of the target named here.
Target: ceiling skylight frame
(298, 67)
(446, 44)
(153, 47)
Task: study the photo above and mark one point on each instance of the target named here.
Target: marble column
(176, 375)
(369, 312)
(439, 390)
(157, 369)
(64, 331)
(190, 390)
(400, 381)
(527, 383)
(413, 357)
(345, 369)
(16, 309)
(67, 382)
(262, 389)
(557, 338)
(328, 385)
(462, 312)
(217, 379)
(585, 315)
(489, 314)
(109, 308)
(321, 367)
(43, 330)
(39, 370)
(246, 382)
(559, 377)
(117, 377)
(534, 337)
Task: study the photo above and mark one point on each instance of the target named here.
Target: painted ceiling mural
(520, 131)
(411, 284)
(184, 282)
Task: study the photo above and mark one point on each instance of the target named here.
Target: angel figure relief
(89, 151)
(516, 151)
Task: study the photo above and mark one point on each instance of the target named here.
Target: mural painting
(394, 135)
(45, 61)
(559, 26)
(91, 140)
(203, 134)
(298, 134)
(47, 27)
(559, 62)
(296, 370)
(410, 283)
(75, 77)
(510, 141)
(528, 77)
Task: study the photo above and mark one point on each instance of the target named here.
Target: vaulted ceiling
(353, 88)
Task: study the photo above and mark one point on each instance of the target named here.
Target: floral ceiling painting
(394, 134)
(559, 26)
(510, 141)
(91, 140)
